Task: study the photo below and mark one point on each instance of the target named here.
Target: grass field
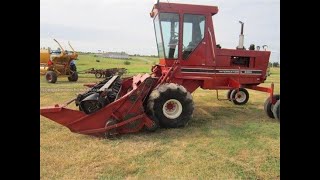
(221, 141)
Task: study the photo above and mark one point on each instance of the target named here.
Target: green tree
(275, 64)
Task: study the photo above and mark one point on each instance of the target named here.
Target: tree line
(274, 64)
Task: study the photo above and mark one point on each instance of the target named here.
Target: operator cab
(181, 31)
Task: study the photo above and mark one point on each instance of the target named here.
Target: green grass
(221, 141)
(137, 64)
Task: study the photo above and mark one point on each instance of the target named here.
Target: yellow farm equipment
(56, 63)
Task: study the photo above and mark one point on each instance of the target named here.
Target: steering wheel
(175, 35)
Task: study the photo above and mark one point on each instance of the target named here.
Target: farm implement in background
(163, 98)
(103, 73)
(58, 63)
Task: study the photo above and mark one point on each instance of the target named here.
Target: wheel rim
(172, 108)
(240, 96)
(98, 75)
(48, 76)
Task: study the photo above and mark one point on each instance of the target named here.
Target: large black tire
(268, 107)
(171, 104)
(276, 110)
(51, 77)
(73, 77)
(240, 97)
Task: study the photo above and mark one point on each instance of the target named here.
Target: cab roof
(184, 8)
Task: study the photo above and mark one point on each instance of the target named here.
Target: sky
(125, 25)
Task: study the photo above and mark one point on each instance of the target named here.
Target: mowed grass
(221, 141)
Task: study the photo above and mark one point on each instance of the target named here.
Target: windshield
(158, 37)
(193, 33)
(169, 29)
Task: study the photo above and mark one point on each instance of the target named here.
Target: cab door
(194, 45)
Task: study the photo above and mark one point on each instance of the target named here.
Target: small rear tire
(229, 94)
(268, 106)
(51, 77)
(276, 110)
(240, 97)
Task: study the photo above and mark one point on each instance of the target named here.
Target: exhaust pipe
(241, 37)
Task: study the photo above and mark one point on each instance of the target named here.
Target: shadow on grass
(230, 122)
